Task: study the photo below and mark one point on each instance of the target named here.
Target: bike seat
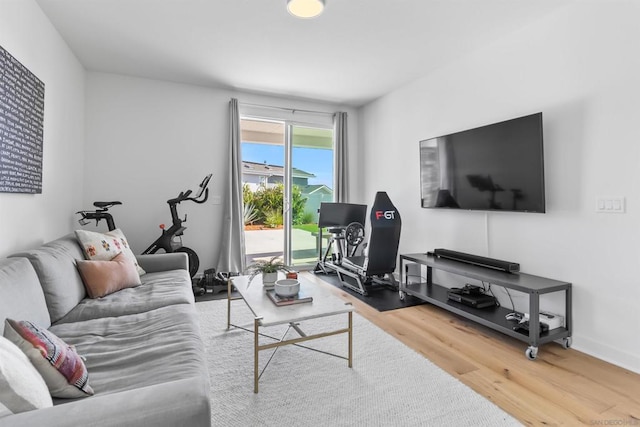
(105, 204)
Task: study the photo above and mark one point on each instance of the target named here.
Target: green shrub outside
(267, 204)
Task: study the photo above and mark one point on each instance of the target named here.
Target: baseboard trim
(609, 354)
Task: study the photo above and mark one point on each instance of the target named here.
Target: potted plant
(268, 268)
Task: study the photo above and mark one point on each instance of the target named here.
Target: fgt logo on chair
(386, 214)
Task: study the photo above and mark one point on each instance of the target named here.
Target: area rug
(379, 297)
(212, 295)
(389, 384)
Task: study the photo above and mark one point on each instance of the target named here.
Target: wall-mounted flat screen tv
(495, 167)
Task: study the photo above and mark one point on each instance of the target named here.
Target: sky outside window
(317, 161)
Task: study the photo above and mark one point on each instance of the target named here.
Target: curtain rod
(293, 110)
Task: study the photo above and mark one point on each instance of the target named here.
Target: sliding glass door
(287, 173)
(311, 184)
(263, 154)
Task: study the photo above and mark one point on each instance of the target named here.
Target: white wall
(148, 140)
(28, 220)
(581, 69)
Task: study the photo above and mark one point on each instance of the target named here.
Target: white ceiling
(356, 51)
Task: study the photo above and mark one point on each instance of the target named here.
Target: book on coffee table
(300, 297)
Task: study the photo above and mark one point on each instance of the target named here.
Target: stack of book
(300, 297)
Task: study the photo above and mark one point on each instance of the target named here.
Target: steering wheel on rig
(354, 234)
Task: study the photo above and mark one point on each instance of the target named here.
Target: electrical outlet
(610, 204)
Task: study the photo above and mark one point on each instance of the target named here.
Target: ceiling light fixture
(305, 8)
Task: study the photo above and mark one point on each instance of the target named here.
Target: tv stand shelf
(492, 317)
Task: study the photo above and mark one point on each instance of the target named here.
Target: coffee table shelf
(267, 314)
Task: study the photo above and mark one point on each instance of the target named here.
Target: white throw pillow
(22, 388)
(105, 246)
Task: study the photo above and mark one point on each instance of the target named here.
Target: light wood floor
(561, 387)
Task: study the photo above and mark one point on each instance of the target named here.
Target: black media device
(494, 167)
(472, 296)
(507, 266)
(524, 327)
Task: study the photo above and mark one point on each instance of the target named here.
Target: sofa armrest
(177, 403)
(163, 262)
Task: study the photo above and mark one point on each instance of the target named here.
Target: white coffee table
(266, 313)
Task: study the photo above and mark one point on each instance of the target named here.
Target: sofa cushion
(153, 263)
(4, 411)
(21, 296)
(138, 350)
(104, 246)
(55, 264)
(157, 290)
(61, 367)
(21, 386)
(102, 278)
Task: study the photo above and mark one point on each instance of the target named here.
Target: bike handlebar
(203, 185)
(204, 199)
(184, 195)
(99, 214)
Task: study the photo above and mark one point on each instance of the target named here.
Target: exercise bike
(170, 240)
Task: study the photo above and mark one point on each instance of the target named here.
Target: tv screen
(495, 167)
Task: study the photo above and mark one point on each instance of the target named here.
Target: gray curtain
(232, 248)
(341, 160)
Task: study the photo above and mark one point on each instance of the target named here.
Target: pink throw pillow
(102, 278)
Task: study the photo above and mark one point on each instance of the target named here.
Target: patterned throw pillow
(102, 278)
(21, 386)
(61, 367)
(105, 246)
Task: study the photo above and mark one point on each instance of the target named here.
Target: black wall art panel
(21, 127)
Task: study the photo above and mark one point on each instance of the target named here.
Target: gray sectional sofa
(142, 345)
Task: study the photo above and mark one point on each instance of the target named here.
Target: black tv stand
(492, 317)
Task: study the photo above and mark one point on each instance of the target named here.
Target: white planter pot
(269, 279)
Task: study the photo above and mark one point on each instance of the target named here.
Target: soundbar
(507, 266)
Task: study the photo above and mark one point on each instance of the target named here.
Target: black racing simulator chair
(345, 224)
(377, 267)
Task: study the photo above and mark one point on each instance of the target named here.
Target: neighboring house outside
(315, 195)
(258, 174)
